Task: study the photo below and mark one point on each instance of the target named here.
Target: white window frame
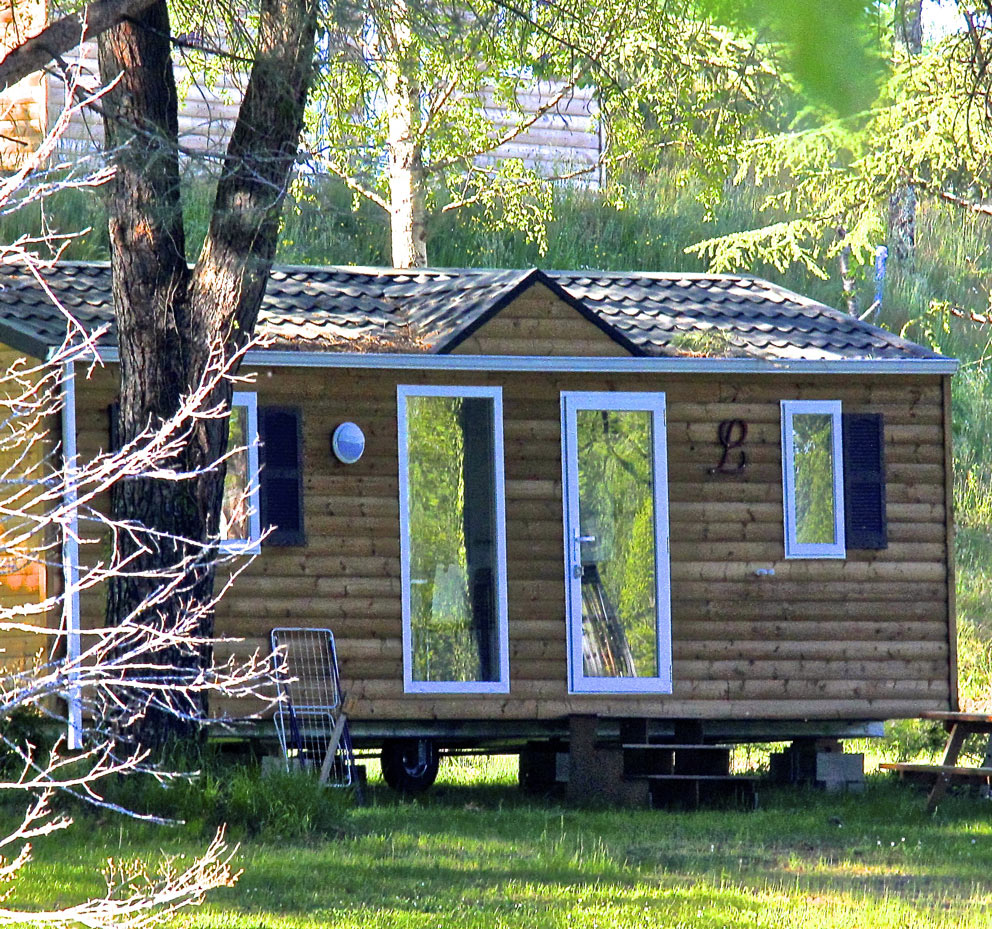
(794, 548)
(252, 545)
(411, 686)
(654, 403)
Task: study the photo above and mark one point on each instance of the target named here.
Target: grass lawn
(475, 853)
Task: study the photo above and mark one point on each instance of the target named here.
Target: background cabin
(564, 139)
(678, 505)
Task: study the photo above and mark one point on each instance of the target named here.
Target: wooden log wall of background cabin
(23, 108)
(561, 142)
(24, 579)
(866, 636)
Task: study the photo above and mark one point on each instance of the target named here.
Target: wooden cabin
(659, 500)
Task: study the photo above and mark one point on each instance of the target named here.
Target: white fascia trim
(606, 365)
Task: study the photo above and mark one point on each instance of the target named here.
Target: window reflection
(452, 538)
(813, 469)
(235, 508)
(617, 522)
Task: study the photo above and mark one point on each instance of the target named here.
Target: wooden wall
(561, 142)
(539, 323)
(26, 574)
(863, 637)
(23, 108)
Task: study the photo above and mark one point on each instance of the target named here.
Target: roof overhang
(594, 364)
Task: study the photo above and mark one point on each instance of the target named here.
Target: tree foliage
(926, 128)
(415, 98)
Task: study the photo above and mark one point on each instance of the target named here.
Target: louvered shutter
(864, 481)
(113, 425)
(281, 474)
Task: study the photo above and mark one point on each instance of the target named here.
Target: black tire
(409, 766)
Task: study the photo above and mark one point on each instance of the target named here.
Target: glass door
(615, 495)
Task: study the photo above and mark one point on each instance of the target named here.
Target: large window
(452, 545)
(813, 479)
(240, 525)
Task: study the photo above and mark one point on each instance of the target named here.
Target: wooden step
(675, 758)
(729, 778)
(678, 747)
(691, 791)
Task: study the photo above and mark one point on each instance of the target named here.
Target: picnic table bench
(959, 727)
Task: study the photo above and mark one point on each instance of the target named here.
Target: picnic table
(959, 726)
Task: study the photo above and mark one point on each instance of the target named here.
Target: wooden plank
(826, 570)
(953, 770)
(839, 650)
(854, 613)
(953, 716)
(754, 588)
(814, 630)
(787, 668)
(909, 689)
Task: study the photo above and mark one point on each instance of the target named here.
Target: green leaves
(830, 48)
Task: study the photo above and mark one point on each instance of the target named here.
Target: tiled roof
(431, 310)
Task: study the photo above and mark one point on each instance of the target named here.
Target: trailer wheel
(409, 766)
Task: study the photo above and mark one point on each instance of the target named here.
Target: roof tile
(335, 309)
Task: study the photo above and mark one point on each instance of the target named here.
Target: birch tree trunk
(174, 324)
(405, 145)
(902, 202)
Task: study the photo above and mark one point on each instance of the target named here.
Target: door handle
(577, 553)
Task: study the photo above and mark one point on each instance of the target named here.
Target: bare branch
(513, 132)
(367, 192)
(982, 208)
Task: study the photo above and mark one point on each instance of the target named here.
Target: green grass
(476, 853)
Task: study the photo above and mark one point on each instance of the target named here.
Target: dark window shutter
(113, 425)
(281, 474)
(864, 481)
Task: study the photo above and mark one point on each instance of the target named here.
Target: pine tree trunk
(174, 324)
(406, 176)
(902, 202)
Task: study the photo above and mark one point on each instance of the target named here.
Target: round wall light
(348, 443)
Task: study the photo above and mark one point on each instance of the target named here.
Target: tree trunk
(846, 278)
(150, 280)
(902, 201)
(405, 147)
(175, 326)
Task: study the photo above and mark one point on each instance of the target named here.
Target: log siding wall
(564, 142)
(26, 579)
(868, 636)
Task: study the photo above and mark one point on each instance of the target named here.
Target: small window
(812, 479)
(240, 526)
(452, 540)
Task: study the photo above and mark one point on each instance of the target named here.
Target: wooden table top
(948, 716)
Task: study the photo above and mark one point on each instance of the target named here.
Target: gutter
(590, 364)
